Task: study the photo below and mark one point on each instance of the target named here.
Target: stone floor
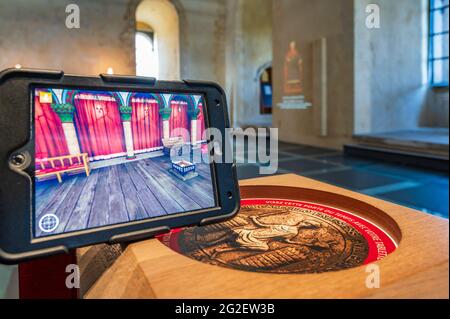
(419, 135)
(424, 190)
(424, 140)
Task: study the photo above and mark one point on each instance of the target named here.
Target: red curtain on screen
(50, 140)
(200, 123)
(179, 120)
(145, 123)
(99, 126)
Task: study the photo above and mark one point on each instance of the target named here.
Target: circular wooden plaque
(292, 230)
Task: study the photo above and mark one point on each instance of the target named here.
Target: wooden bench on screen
(57, 166)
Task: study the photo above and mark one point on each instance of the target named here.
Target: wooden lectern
(418, 268)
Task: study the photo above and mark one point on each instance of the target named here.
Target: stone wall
(34, 34)
(202, 42)
(249, 47)
(375, 80)
(390, 66)
(307, 22)
(435, 112)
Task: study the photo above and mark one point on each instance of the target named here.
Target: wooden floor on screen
(121, 193)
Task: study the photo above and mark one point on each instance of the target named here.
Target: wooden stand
(417, 269)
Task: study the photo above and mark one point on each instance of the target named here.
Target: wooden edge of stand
(126, 269)
(417, 269)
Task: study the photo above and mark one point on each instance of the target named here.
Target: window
(147, 63)
(439, 42)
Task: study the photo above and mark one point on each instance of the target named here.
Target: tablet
(89, 160)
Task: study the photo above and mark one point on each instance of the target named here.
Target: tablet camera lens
(18, 159)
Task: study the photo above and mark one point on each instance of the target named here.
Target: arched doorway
(265, 90)
(161, 20)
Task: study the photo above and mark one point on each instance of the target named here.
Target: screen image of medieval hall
(105, 158)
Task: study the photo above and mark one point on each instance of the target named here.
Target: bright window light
(147, 63)
(438, 57)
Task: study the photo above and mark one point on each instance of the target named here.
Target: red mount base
(46, 278)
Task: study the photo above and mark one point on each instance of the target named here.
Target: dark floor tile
(246, 159)
(247, 171)
(284, 156)
(310, 151)
(300, 166)
(362, 174)
(408, 172)
(286, 146)
(356, 179)
(442, 181)
(346, 160)
(432, 197)
(250, 157)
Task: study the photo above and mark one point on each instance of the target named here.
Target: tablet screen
(107, 158)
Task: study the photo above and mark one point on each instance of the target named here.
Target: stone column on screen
(66, 114)
(195, 149)
(193, 116)
(125, 114)
(165, 115)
